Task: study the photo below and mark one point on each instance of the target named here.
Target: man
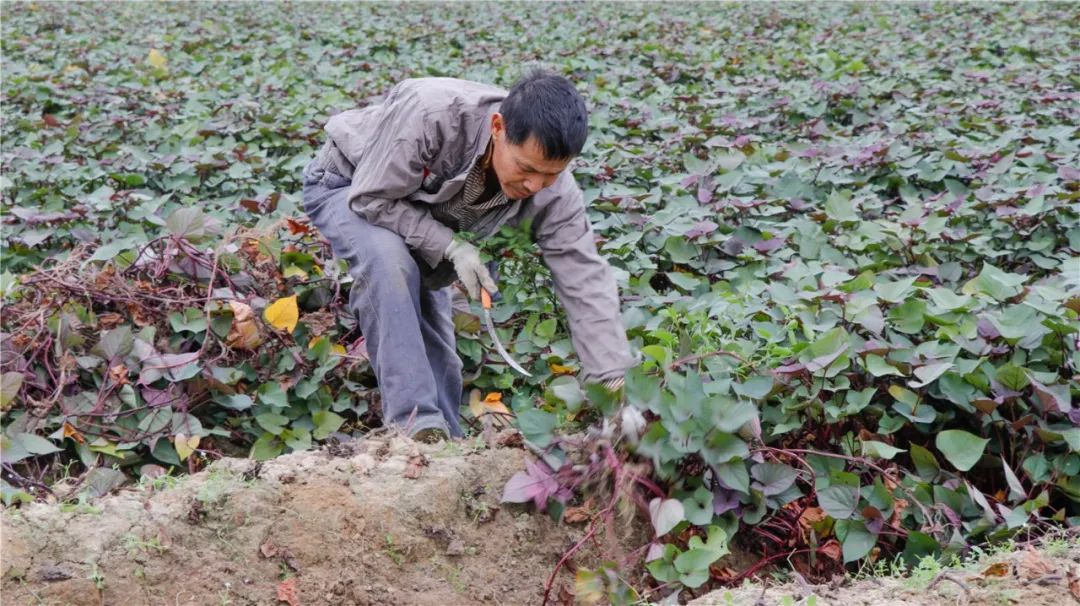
(397, 181)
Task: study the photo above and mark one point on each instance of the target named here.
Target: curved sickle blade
(499, 346)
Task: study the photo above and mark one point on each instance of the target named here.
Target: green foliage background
(843, 228)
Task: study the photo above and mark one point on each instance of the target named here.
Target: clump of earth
(379, 521)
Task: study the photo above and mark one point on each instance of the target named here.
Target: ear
(497, 125)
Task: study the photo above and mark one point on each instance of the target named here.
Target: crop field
(846, 237)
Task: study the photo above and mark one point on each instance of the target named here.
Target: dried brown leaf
(244, 332)
(287, 592)
(297, 228)
(997, 569)
(576, 515)
(832, 551)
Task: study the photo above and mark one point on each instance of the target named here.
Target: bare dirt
(346, 526)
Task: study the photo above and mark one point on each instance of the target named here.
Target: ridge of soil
(346, 525)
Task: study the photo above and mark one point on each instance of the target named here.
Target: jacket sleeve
(404, 141)
(584, 283)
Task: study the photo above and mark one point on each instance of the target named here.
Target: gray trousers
(408, 328)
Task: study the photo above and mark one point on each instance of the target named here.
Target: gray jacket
(415, 148)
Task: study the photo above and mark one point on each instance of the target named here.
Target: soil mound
(379, 521)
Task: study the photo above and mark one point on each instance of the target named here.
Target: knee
(386, 260)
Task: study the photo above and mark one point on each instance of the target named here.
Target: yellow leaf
(244, 332)
(293, 271)
(71, 432)
(283, 314)
(185, 445)
(157, 60)
(559, 369)
(490, 404)
(336, 348)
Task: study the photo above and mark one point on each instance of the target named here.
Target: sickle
(485, 299)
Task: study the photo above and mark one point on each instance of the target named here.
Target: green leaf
(266, 447)
(995, 283)
(192, 320)
(895, 292)
(880, 368)
(755, 387)
(946, 300)
(702, 554)
(326, 423)
(909, 317)
(19, 446)
(272, 422)
(699, 507)
(929, 373)
(879, 450)
(839, 500)
(838, 206)
(961, 448)
(10, 384)
(537, 426)
(856, 541)
(926, 464)
(734, 475)
(235, 402)
(567, 391)
(773, 478)
(1012, 377)
(187, 222)
(116, 343)
(272, 394)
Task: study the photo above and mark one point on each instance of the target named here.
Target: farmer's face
(522, 170)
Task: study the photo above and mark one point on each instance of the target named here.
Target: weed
(134, 545)
(159, 483)
(218, 484)
(80, 506)
(96, 577)
(393, 552)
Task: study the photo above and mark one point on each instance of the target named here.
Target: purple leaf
(986, 328)
(536, 483)
(791, 369)
(701, 228)
(724, 500)
(1069, 173)
(521, 488)
(157, 398)
(705, 190)
(769, 245)
(799, 204)
(1074, 416)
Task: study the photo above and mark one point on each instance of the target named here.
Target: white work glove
(470, 269)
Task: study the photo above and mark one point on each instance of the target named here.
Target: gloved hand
(470, 269)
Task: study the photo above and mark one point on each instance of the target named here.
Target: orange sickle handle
(485, 298)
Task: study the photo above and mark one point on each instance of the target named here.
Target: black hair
(548, 107)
